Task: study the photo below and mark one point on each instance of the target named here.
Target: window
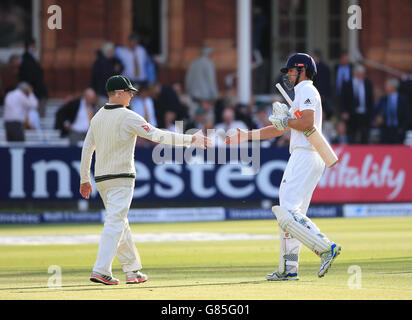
(18, 19)
(15, 22)
(335, 29)
(150, 23)
(292, 27)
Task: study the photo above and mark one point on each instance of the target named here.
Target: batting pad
(303, 230)
(288, 251)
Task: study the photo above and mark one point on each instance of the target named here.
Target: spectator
(166, 99)
(134, 58)
(73, 118)
(322, 82)
(151, 70)
(393, 114)
(357, 105)
(184, 99)
(145, 39)
(30, 71)
(227, 97)
(143, 103)
(10, 75)
(261, 120)
(405, 88)
(198, 122)
(170, 124)
(261, 117)
(343, 72)
(341, 136)
(244, 113)
(200, 80)
(328, 128)
(33, 120)
(17, 104)
(228, 126)
(105, 66)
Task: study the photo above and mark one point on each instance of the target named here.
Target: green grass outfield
(223, 270)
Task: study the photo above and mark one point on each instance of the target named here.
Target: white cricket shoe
(290, 273)
(135, 277)
(277, 276)
(327, 258)
(102, 278)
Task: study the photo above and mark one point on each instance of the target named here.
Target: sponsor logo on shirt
(146, 127)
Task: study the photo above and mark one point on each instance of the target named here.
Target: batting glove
(280, 122)
(280, 109)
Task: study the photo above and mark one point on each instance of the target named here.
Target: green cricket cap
(119, 83)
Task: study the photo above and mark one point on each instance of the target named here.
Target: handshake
(280, 116)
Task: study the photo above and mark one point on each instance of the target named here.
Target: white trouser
(116, 238)
(302, 174)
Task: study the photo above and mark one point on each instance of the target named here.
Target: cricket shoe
(135, 277)
(102, 278)
(277, 276)
(327, 258)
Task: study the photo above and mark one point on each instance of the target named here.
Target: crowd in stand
(351, 105)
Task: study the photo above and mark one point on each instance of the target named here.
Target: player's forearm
(86, 160)
(303, 120)
(301, 124)
(265, 133)
(170, 138)
(85, 165)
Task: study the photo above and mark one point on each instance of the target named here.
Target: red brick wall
(194, 23)
(386, 35)
(68, 54)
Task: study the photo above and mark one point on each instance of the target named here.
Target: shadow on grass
(93, 287)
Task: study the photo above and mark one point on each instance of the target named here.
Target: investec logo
(40, 169)
(163, 180)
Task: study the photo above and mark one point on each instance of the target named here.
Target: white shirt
(17, 104)
(359, 93)
(112, 136)
(306, 98)
(200, 79)
(343, 74)
(128, 56)
(82, 121)
(392, 110)
(137, 105)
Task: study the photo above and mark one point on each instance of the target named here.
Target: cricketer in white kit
(303, 170)
(112, 136)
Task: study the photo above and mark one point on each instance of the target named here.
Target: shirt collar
(109, 106)
(303, 83)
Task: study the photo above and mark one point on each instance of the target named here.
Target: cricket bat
(316, 138)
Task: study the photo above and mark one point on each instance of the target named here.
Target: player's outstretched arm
(136, 124)
(264, 133)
